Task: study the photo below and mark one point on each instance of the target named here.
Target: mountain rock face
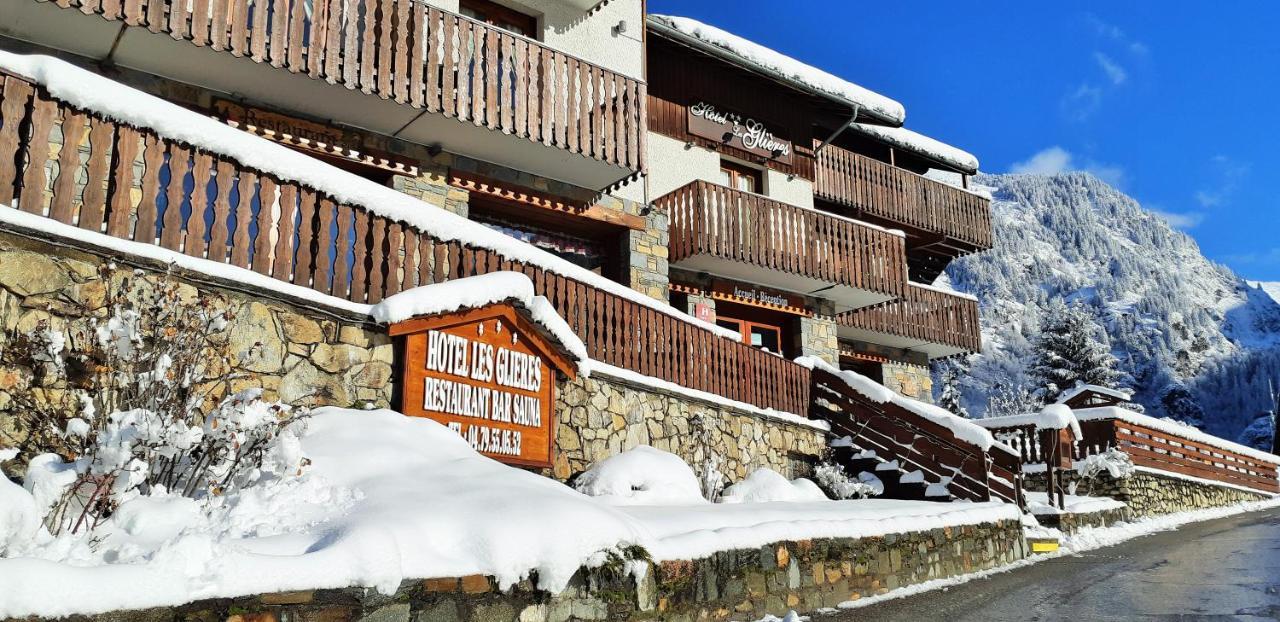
(1178, 322)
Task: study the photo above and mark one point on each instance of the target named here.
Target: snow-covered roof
(1118, 394)
(1053, 417)
(762, 59)
(480, 291)
(89, 91)
(922, 145)
(1172, 428)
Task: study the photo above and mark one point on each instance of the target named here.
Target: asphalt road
(1224, 569)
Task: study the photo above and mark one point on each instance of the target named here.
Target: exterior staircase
(913, 456)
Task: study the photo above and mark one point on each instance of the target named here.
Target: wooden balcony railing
(83, 169)
(916, 442)
(1160, 450)
(900, 196)
(419, 56)
(923, 313)
(709, 219)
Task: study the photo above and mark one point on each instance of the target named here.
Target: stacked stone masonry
(296, 355)
(734, 585)
(1151, 494)
(600, 416)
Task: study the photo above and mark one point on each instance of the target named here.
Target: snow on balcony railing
(102, 157)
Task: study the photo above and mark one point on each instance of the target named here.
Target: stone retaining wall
(739, 585)
(1073, 522)
(1150, 494)
(601, 416)
(299, 355)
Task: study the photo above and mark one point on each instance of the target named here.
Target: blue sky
(1177, 103)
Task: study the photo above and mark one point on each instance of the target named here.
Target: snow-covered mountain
(1271, 287)
(1173, 317)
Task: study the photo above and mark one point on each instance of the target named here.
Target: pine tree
(1072, 349)
(1180, 404)
(951, 396)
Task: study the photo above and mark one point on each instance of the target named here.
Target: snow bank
(90, 91)
(756, 56)
(767, 486)
(693, 532)
(641, 476)
(1040, 503)
(1052, 417)
(964, 429)
(931, 148)
(387, 497)
(479, 291)
(19, 518)
(1172, 428)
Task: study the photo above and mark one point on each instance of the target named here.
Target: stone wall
(733, 585)
(299, 355)
(910, 380)
(600, 416)
(1072, 522)
(1150, 494)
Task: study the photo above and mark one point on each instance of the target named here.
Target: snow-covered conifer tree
(1072, 349)
(950, 396)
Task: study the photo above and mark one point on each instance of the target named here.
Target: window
(500, 17)
(758, 328)
(740, 177)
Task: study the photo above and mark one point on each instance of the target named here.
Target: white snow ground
(388, 498)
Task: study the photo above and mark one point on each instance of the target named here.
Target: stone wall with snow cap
(606, 414)
(299, 355)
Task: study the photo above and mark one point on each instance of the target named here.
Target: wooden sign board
(738, 131)
(489, 375)
(757, 296)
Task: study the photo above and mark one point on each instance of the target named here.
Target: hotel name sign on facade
(738, 131)
(487, 375)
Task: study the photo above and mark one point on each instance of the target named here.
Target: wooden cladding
(1163, 451)
(84, 170)
(713, 220)
(925, 314)
(419, 56)
(899, 196)
(916, 442)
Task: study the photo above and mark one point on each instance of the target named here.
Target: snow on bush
(767, 485)
(832, 479)
(129, 420)
(641, 476)
(1113, 462)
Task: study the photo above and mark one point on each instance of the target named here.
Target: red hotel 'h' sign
(487, 374)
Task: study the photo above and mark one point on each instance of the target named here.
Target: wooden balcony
(924, 319)
(940, 220)
(749, 237)
(113, 181)
(397, 67)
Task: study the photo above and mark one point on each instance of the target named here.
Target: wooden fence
(895, 433)
(900, 196)
(925, 314)
(420, 56)
(81, 169)
(1156, 449)
(714, 220)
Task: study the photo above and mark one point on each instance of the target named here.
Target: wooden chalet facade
(565, 124)
(841, 225)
